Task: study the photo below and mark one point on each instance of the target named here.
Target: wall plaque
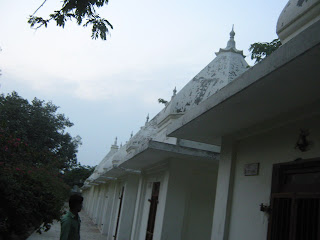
(251, 169)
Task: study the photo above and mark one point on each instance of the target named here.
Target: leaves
(161, 100)
(77, 175)
(32, 195)
(99, 27)
(38, 124)
(80, 10)
(34, 151)
(37, 21)
(261, 50)
(60, 17)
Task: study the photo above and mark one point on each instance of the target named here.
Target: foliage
(79, 10)
(261, 50)
(77, 175)
(34, 151)
(38, 124)
(32, 196)
(0, 69)
(161, 100)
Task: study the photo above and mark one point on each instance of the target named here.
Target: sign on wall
(251, 169)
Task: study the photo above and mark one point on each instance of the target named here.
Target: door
(119, 213)
(295, 201)
(151, 209)
(154, 200)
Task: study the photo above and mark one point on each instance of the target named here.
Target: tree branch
(39, 7)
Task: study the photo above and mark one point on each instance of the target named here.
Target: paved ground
(88, 231)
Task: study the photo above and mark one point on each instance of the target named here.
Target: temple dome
(296, 16)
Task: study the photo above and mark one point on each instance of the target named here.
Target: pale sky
(107, 88)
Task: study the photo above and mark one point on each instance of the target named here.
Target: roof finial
(174, 92)
(131, 135)
(231, 43)
(147, 120)
(115, 146)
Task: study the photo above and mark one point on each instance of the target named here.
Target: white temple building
(160, 187)
(235, 154)
(267, 124)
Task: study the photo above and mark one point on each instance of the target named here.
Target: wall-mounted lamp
(265, 208)
(303, 144)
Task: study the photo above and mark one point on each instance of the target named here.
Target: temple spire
(115, 144)
(175, 91)
(231, 45)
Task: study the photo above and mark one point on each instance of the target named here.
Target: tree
(79, 10)
(261, 50)
(32, 196)
(77, 175)
(39, 124)
(0, 69)
(35, 151)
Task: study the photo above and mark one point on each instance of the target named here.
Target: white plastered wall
(92, 206)
(85, 199)
(103, 200)
(114, 209)
(186, 201)
(108, 209)
(97, 205)
(190, 200)
(128, 207)
(142, 210)
(240, 195)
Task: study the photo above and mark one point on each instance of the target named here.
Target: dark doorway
(295, 201)
(119, 213)
(153, 210)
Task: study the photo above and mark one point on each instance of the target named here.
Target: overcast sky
(107, 88)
